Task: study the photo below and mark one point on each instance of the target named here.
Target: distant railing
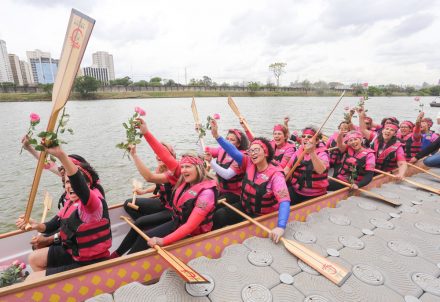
(130, 88)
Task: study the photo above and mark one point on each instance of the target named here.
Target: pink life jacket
(345, 173)
(255, 198)
(86, 241)
(305, 175)
(387, 160)
(184, 200)
(232, 185)
(165, 191)
(410, 146)
(280, 151)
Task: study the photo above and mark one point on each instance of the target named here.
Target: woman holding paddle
(229, 174)
(309, 180)
(388, 150)
(85, 235)
(263, 189)
(336, 154)
(193, 198)
(357, 164)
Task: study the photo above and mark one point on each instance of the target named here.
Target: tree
(278, 70)
(206, 81)
(125, 81)
(156, 81)
(373, 91)
(169, 82)
(86, 85)
(253, 87)
(47, 88)
(141, 83)
(409, 90)
(306, 85)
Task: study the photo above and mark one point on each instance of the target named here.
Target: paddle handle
(366, 191)
(139, 231)
(247, 217)
(423, 170)
(428, 188)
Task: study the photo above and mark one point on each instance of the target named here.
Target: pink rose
(346, 108)
(365, 84)
(16, 263)
(295, 133)
(35, 118)
(361, 99)
(140, 111)
(417, 99)
(22, 265)
(216, 116)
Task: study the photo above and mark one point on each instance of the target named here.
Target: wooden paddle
(136, 185)
(332, 271)
(332, 149)
(197, 121)
(77, 36)
(238, 114)
(423, 170)
(301, 155)
(394, 203)
(422, 186)
(188, 274)
(47, 205)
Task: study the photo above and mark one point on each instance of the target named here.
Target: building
(44, 68)
(26, 72)
(103, 59)
(5, 66)
(101, 74)
(14, 61)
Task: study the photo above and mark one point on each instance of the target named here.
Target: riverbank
(31, 97)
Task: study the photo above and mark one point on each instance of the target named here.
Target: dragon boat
(146, 266)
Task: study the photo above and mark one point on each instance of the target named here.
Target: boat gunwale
(21, 287)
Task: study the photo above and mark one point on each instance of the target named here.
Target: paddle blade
(75, 43)
(47, 201)
(195, 112)
(136, 183)
(234, 107)
(328, 269)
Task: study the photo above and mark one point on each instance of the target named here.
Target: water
(97, 126)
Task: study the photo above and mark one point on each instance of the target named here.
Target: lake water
(97, 126)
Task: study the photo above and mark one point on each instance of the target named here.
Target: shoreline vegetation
(42, 96)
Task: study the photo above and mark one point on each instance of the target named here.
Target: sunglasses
(306, 136)
(254, 151)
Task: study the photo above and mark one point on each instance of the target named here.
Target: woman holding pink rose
(358, 162)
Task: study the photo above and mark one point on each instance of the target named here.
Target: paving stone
(352, 290)
(395, 268)
(169, 288)
(285, 292)
(427, 297)
(233, 272)
(101, 298)
(283, 260)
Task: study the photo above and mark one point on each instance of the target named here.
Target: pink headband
(236, 132)
(260, 143)
(84, 171)
(392, 126)
(278, 127)
(353, 134)
(309, 131)
(191, 160)
(407, 123)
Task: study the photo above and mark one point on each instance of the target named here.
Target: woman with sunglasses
(310, 177)
(411, 137)
(193, 198)
(263, 189)
(388, 150)
(358, 162)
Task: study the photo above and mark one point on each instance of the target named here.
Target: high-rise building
(14, 61)
(26, 72)
(103, 59)
(101, 74)
(5, 66)
(44, 68)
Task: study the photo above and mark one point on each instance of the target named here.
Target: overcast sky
(380, 42)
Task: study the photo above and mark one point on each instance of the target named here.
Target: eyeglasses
(306, 136)
(254, 151)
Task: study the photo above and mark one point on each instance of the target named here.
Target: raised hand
(142, 126)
